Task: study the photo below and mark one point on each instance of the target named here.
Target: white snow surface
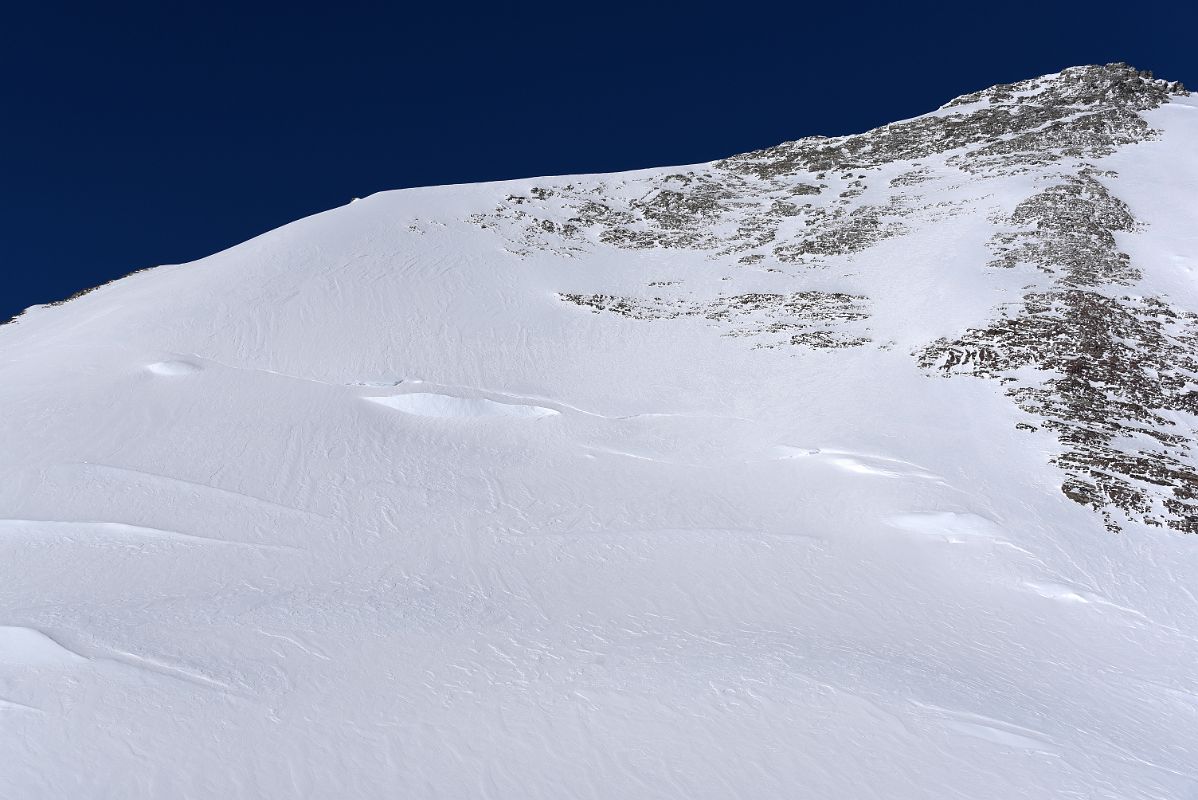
(360, 508)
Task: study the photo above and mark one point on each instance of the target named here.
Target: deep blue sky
(133, 135)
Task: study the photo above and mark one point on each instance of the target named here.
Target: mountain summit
(849, 467)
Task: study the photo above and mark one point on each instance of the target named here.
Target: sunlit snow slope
(851, 468)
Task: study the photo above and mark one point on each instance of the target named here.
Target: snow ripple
(448, 406)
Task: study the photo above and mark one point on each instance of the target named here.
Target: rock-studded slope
(853, 467)
(1108, 366)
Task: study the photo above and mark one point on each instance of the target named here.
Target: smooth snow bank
(950, 524)
(447, 406)
(27, 647)
(172, 368)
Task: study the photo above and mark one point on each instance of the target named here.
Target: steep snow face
(852, 467)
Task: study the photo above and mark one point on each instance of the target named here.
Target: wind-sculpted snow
(785, 475)
(172, 368)
(25, 647)
(429, 404)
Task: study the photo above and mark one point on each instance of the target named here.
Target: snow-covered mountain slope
(849, 468)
